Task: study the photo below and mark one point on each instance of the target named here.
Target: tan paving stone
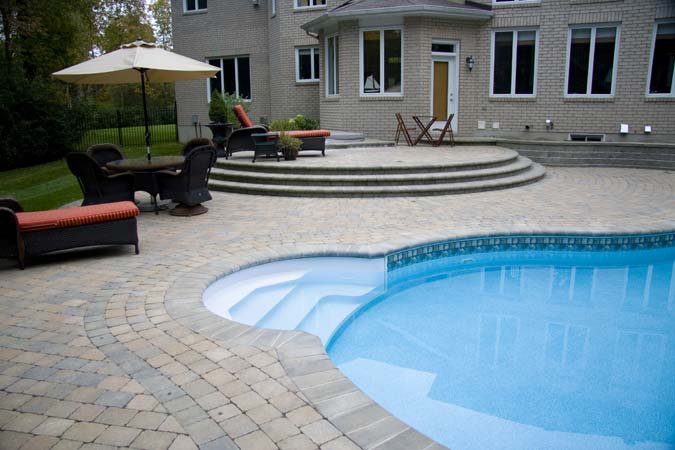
(183, 443)
(303, 416)
(238, 425)
(153, 440)
(147, 420)
(84, 431)
(341, 443)
(87, 413)
(118, 436)
(53, 426)
(116, 416)
(297, 442)
(12, 440)
(25, 422)
(263, 413)
(255, 441)
(280, 429)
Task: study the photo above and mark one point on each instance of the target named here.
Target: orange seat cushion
(242, 117)
(72, 217)
(307, 133)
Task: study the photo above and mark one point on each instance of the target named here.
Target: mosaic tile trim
(404, 258)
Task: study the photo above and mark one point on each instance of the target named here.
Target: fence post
(175, 118)
(119, 128)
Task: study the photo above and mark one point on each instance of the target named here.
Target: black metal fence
(126, 126)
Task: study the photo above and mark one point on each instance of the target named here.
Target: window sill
(306, 82)
(309, 8)
(380, 98)
(512, 98)
(589, 99)
(195, 12)
(331, 98)
(660, 98)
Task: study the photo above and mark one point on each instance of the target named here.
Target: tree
(161, 15)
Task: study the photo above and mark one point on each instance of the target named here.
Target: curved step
(534, 173)
(519, 165)
(323, 167)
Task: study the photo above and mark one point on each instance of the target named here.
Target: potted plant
(219, 126)
(289, 146)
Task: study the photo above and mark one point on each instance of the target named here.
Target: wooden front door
(440, 108)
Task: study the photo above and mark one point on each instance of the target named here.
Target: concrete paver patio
(96, 352)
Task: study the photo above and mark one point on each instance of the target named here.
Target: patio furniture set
(403, 130)
(263, 142)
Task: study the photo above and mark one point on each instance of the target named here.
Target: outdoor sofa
(26, 234)
(241, 140)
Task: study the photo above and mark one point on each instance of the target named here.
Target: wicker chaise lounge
(25, 234)
(241, 140)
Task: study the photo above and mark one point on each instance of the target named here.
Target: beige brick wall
(236, 27)
(552, 18)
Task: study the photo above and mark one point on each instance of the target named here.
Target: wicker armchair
(105, 153)
(194, 143)
(97, 186)
(190, 185)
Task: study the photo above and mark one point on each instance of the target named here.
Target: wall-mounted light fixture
(256, 3)
(549, 124)
(648, 129)
(470, 62)
(623, 128)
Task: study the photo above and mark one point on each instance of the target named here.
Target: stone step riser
(535, 173)
(417, 179)
(268, 167)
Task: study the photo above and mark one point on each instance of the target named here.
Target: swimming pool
(513, 347)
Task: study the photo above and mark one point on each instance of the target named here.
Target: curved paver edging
(303, 356)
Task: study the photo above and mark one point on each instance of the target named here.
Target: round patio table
(144, 173)
(143, 165)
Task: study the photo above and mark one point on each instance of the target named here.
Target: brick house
(526, 69)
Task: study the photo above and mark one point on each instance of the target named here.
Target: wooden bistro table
(144, 171)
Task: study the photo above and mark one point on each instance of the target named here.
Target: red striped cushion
(242, 117)
(307, 133)
(72, 217)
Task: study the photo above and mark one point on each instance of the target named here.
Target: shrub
(299, 122)
(231, 100)
(35, 124)
(217, 108)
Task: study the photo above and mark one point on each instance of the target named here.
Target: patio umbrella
(138, 61)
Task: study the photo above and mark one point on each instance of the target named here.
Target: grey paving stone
(255, 441)
(116, 416)
(112, 398)
(84, 431)
(153, 440)
(222, 443)
(118, 436)
(297, 442)
(53, 426)
(320, 431)
(238, 425)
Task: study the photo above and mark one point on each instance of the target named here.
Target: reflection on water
(543, 352)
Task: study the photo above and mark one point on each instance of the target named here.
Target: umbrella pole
(145, 115)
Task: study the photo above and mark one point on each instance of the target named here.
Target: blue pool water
(514, 350)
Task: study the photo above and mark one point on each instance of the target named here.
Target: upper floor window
(273, 7)
(194, 5)
(307, 64)
(515, 1)
(234, 76)
(662, 63)
(514, 62)
(332, 65)
(592, 60)
(309, 3)
(381, 62)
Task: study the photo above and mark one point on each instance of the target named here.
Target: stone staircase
(496, 170)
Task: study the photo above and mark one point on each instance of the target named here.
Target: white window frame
(336, 59)
(314, 6)
(273, 7)
(314, 78)
(382, 93)
(514, 58)
(651, 62)
(236, 76)
(591, 60)
(197, 8)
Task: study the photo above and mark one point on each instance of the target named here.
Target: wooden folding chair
(402, 129)
(447, 129)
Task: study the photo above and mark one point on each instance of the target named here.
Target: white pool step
(255, 305)
(297, 304)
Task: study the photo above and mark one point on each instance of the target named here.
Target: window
(234, 76)
(514, 62)
(439, 47)
(306, 64)
(662, 63)
(515, 1)
(194, 5)
(332, 66)
(381, 62)
(273, 7)
(592, 56)
(299, 4)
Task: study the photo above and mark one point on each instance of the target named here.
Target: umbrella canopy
(123, 65)
(138, 61)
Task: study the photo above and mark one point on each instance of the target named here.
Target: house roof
(439, 8)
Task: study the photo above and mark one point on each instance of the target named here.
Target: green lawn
(52, 185)
(130, 135)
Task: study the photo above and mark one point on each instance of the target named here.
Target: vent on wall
(585, 137)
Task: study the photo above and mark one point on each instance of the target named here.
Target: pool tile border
(303, 356)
